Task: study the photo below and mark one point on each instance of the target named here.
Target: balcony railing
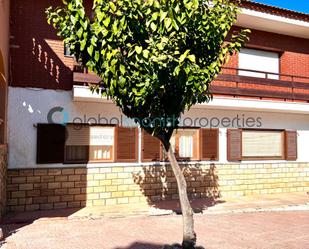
(81, 76)
(234, 82)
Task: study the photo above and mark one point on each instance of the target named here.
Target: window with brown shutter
(126, 144)
(291, 145)
(151, 148)
(77, 144)
(209, 144)
(261, 144)
(50, 143)
(87, 143)
(185, 144)
(234, 145)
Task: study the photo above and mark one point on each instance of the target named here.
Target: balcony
(267, 85)
(234, 82)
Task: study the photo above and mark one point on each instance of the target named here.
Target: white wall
(27, 107)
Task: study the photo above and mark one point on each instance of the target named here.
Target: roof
(275, 10)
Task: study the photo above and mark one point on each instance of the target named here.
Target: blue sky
(297, 5)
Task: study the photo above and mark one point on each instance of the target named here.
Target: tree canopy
(156, 58)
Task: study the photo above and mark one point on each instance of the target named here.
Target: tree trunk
(189, 236)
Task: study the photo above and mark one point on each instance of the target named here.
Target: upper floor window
(259, 60)
(67, 51)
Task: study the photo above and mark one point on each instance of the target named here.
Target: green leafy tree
(156, 59)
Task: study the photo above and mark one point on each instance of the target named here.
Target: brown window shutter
(209, 144)
(234, 145)
(291, 145)
(50, 143)
(151, 148)
(126, 144)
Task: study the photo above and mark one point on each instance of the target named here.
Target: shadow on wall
(43, 193)
(158, 184)
(36, 51)
(47, 67)
(46, 189)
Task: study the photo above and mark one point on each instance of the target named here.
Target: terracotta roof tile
(275, 10)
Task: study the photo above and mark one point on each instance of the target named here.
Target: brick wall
(294, 51)
(3, 167)
(294, 60)
(295, 64)
(34, 189)
(37, 54)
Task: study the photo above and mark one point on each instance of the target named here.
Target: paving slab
(267, 230)
(246, 222)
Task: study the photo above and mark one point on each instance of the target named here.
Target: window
(188, 144)
(86, 143)
(83, 143)
(89, 144)
(67, 51)
(261, 145)
(185, 143)
(259, 60)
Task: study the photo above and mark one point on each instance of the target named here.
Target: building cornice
(280, 22)
(275, 10)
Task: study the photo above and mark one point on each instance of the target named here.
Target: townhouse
(68, 147)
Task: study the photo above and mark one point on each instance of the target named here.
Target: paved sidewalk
(246, 222)
(259, 203)
(270, 230)
(262, 203)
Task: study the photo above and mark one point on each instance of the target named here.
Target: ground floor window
(85, 143)
(261, 145)
(194, 144)
(89, 144)
(185, 143)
